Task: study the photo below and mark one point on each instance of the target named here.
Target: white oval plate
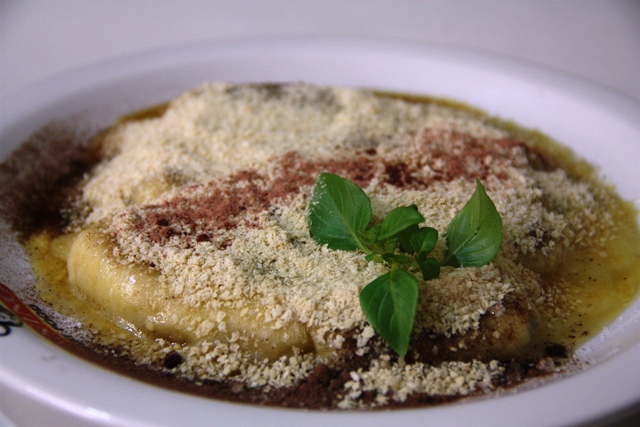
(40, 383)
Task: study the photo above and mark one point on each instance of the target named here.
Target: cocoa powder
(40, 175)
(226, 203)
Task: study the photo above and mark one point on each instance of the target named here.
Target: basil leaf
(397, 220)
(474, 235)
(395, 258)
(424, 240)
(430, 268)
(404, 239)
(339, 212)
(390, 302)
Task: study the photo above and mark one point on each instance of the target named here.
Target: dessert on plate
(182, 246)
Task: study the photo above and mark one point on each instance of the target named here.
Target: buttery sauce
(596, 287)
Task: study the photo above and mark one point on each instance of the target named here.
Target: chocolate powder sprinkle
(39, 177)
(225, 204)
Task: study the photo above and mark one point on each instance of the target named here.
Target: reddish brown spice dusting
(400, 175)
(219, 208)
(294, 168)
(39, 177)
(227, 203)
(472, 162)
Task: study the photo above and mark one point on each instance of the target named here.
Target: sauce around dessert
(180, 244)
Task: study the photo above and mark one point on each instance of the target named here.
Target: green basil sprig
(340, 217)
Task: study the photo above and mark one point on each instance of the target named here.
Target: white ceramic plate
(42, 383)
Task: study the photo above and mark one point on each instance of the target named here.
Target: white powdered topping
(447, 379)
